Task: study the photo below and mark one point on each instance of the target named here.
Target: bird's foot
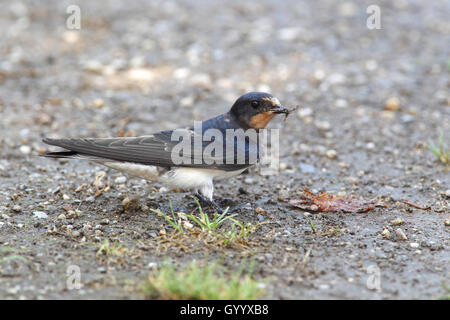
(205, 202)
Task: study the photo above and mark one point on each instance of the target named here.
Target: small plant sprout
(110, 249)
(215, 228)
(195, 281)
(9, 254)
(205, 223)
(243, 233)
(173, 221)
(440, 150)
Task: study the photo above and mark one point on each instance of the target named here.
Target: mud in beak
(280, 110)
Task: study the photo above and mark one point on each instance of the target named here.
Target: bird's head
(256, 109)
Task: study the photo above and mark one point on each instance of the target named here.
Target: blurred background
(370, 99)
(138, 60)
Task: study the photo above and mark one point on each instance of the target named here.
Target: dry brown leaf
(325, 202)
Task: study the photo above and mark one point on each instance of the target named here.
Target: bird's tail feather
(72, 155)
(61, 154)
(64, 154)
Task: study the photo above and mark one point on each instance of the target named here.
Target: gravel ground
(368, 101)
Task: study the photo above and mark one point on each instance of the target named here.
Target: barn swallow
(152, 158)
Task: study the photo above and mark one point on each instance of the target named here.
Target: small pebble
(388, 114)
(319, 74)
(414, 245)
(336, 78)
(283, 194)
(392, 104)
(248, 180)
(447, 222)
(25, 149)
(76, 233)
(71, 214)
(447, 193)
(101, 269)
(66, 197)
(386, 234)
(371, 65)
(320, 150)
(120, 180)
(304, 167)
(331, 154)
(126, 201)
(98, 103)
(61, 217)
(93, 66)
(79, 188)
(40, 214)
(343, 164)
(181, 73)
(341, 103)
(71, 36)
(187, 225)
(324, 286)
(323, 125)
(397, 221)
(401, 234)
(87, 227)
(17, 208)
(407, 118)
(370, 146)
(260, 210)
(289, 34)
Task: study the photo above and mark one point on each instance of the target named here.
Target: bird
(159, 157)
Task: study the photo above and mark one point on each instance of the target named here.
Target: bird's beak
(279, 109)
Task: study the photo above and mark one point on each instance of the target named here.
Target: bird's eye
(255, 104)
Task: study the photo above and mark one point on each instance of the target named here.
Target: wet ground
(368, 102)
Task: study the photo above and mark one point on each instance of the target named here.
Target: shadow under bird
(151, 157)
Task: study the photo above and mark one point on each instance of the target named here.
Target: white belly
(146, 172)
(191, 178)
(184, 178)
(197, 179)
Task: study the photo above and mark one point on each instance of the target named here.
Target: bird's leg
(207, 202)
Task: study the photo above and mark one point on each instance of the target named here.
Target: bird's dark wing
(152, 150)
(157, 149)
